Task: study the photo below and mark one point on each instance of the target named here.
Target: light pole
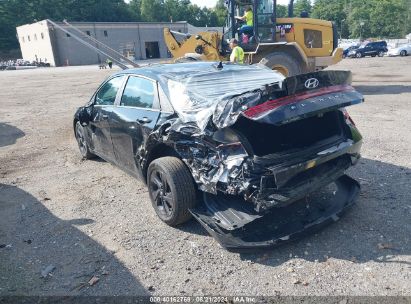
(361, 25)
(342, 21)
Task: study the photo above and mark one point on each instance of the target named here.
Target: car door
(101, 112)
(132, 121)
(368, 49)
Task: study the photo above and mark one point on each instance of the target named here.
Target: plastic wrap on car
(220, 95)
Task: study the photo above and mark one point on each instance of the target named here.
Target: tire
(82, 142)
(284, 63)
(358, 55)
(373, 56)
(171, 189)
(403, 53)
(381, 54)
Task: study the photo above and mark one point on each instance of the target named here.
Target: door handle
(144, 120)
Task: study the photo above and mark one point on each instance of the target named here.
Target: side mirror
(84, 116)
(199, 37)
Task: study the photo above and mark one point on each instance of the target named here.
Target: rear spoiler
(307, 95)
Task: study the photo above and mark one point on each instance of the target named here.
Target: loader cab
(264, 22)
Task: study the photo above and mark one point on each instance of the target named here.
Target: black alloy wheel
(162, 195)
(81, 141)
(172, 190)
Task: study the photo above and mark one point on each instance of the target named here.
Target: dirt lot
(87, 218)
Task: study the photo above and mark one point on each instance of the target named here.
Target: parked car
(403, 50)
(256, 158)
(372, 49)
(348, 49)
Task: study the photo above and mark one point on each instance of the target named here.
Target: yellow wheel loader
(290, 45)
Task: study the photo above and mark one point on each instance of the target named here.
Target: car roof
(178, 71)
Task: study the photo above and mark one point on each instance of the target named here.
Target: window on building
(35, 37)
(88, 33)
(105, 34)
(313, 39)
(28, 37)
(68, 35)
(22, 39)
(42, 36)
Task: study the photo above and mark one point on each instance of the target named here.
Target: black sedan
(241, 148)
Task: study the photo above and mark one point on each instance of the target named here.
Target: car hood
(261, 95)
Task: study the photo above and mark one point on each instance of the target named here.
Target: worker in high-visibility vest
(109, 62)
(248, 27)
(237, 53)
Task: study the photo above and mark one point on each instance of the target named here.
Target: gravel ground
(89, 219)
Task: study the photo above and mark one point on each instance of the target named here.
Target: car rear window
(221, 84)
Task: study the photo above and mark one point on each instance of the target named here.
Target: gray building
(135, 40)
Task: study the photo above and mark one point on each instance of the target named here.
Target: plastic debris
(385, 246)
(47, 271)
(93, 280)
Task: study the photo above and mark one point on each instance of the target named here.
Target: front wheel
(171, 189)
(358, 55)
(403, 53)
(283, 63)
(82, 142)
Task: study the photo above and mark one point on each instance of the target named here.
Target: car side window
(108, 92)
(138, 92)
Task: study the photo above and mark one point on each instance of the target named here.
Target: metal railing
(108, 52)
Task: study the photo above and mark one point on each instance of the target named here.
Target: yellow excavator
(290, 45)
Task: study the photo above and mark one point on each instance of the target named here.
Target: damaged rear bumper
(280, 224)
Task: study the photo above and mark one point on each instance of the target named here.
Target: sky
(211, 3)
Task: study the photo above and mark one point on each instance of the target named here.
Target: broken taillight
(276, 103)
(347, 117)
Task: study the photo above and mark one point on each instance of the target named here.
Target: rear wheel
(171, 189)
(403, 53)
(381, 54)
(82, 142)
(283, 63)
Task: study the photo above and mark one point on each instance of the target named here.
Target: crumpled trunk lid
(306, 95)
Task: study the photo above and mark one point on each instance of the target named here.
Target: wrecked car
(256, 158)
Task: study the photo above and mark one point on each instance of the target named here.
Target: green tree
(301, 6)
(135, 9)
(281, 11)
(333, 10)
(221, 12)
(380, 18)
(368, 19)
(152, 10)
